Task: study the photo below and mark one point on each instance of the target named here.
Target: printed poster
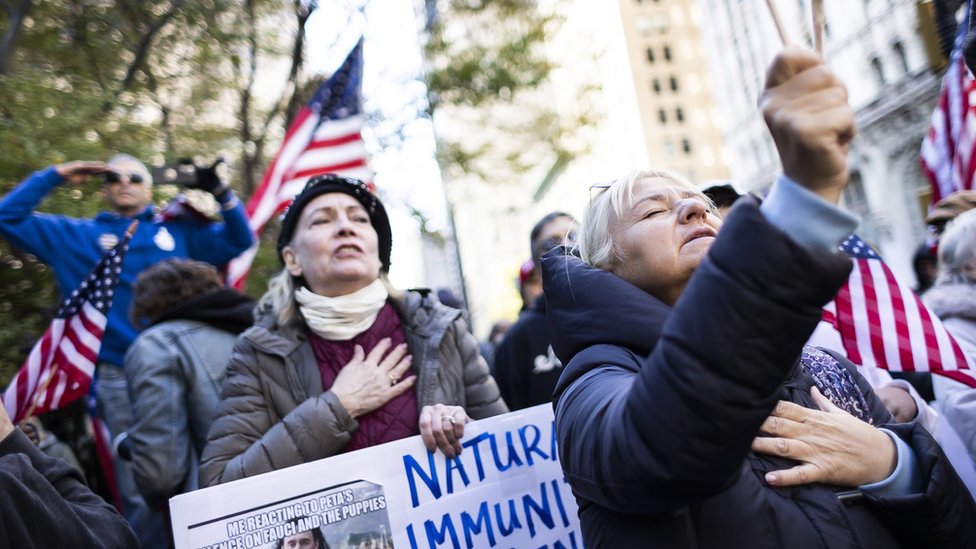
(505, 489)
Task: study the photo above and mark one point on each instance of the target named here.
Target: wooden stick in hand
(818, 26)
(774, 13)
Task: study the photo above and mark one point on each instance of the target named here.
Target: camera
(184, 172)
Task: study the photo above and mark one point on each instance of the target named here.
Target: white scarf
(342, 318)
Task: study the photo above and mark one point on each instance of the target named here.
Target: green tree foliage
(489, 78)
(159, 79)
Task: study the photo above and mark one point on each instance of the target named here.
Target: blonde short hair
(595, 242)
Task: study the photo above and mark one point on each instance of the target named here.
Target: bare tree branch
(143, 47)
(297, 60)
(166, 123)
(145, 44)
(258, 139)
(82, 40)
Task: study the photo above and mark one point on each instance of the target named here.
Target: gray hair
(280, 297)
(596, 244)
(957, 249)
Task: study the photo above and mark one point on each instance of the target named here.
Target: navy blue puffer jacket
(657, 407)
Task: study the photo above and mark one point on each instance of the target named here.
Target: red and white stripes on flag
(325, 137)
(882, 323)
(61, 365)
(947, 150)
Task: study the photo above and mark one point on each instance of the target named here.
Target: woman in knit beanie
(338, 359)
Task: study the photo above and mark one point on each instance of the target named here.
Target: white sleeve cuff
(809, 220)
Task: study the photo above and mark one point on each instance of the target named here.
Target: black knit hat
(331, 183)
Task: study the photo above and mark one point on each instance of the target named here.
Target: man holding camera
(73, 246)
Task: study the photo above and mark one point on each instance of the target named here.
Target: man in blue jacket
(72, 247)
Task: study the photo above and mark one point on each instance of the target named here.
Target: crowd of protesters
(673, 330)
(72, 247)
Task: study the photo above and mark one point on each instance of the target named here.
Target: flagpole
(43, 390)
(777, 21)
(818, 26)
(457, 255)
(131, 230)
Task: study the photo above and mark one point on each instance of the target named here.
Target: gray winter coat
(275, 413)
(955, 304)
(174, 371)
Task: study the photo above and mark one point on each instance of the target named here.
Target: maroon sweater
(394, 420)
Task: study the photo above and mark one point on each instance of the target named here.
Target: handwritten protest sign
(506, 489)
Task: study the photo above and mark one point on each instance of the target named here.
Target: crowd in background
(639, 310)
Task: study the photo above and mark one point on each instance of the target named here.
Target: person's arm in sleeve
(160, 441)
(506, 369)
(653, 437)
(938, 513)
(45, 501)
(218, 243)
(482, 398)
(34, 233)
(679, 429)
(923, 499)
(244, 441)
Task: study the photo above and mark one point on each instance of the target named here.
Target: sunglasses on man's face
(115, 177)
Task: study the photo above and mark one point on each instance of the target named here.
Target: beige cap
(951, 206)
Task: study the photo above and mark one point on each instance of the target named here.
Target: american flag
(947, 150)
(882, 323)
(60, 367)
(325, 137)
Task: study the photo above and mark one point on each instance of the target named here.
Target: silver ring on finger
(393, 380)
(449, 418)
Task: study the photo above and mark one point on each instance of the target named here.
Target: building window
(686, 146)
(674, 83)
(679, 114)
(669, 147)
(650, 55)
(899, 50)
(667, 53)
(662, 115)
(656, 85)
(643, 25)
(878, 70)
(661, 23)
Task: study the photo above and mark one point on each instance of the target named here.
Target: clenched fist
(806, 110)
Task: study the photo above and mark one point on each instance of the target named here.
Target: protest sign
(505, 489)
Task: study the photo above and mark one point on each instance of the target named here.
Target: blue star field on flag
(340, 96)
